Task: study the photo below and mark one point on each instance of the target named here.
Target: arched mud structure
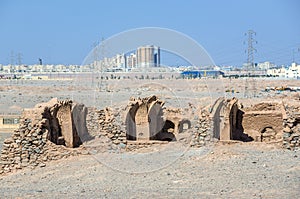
(227, 119)
(144, 119)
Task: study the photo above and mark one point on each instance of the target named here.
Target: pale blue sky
(63, 31)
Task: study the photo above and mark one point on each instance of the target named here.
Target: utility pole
(250, 85)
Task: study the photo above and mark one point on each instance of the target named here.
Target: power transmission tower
(250, 84)
(101, 65)
(12, 58)
(12, 61)
(19, 57)
(298, 50)
(95, 60)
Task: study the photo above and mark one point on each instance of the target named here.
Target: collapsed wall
(44, 134)
(263, 121)
(291, 128)
(145, 122)
(268, 122)
(202, 131)
(107, 127)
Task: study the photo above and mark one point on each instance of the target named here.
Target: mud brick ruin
(58, 129)
(142, 123)
(45, 133)
(146, 119)
(267, 122)
(291, 127)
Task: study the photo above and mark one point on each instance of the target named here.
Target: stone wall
(107, 123)
(291, 128)
(37, 139)
(202, 133)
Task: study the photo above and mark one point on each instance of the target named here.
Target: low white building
(292, 72)
(265, 65)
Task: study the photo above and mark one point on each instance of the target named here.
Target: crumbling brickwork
(37, 138)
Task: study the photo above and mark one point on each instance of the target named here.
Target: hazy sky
(63, 31)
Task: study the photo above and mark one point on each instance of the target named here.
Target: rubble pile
(291, 128)
(106, 123)
(137, 146)
(110, 127)
(202, 131)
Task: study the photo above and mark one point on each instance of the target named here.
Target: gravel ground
(238, 170)
(18, 94)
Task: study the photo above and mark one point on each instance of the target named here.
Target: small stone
(8, 141)
(5, 145)
(287, 129)
(19, 166)
(84, 152)
(116, 141)
(42, 164)
(7, 169)
(37, 150)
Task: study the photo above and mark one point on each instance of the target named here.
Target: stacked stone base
(291, 129)
(29, 147)
(202, 131)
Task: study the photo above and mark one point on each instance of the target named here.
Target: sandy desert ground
(18, 94)
(240, 170)
(221, 170)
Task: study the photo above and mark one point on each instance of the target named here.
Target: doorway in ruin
(167, 132)
(268, 134)
(236, 125)
(233, 122)
(184, 125)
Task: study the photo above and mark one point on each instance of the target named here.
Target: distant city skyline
(63, 32)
